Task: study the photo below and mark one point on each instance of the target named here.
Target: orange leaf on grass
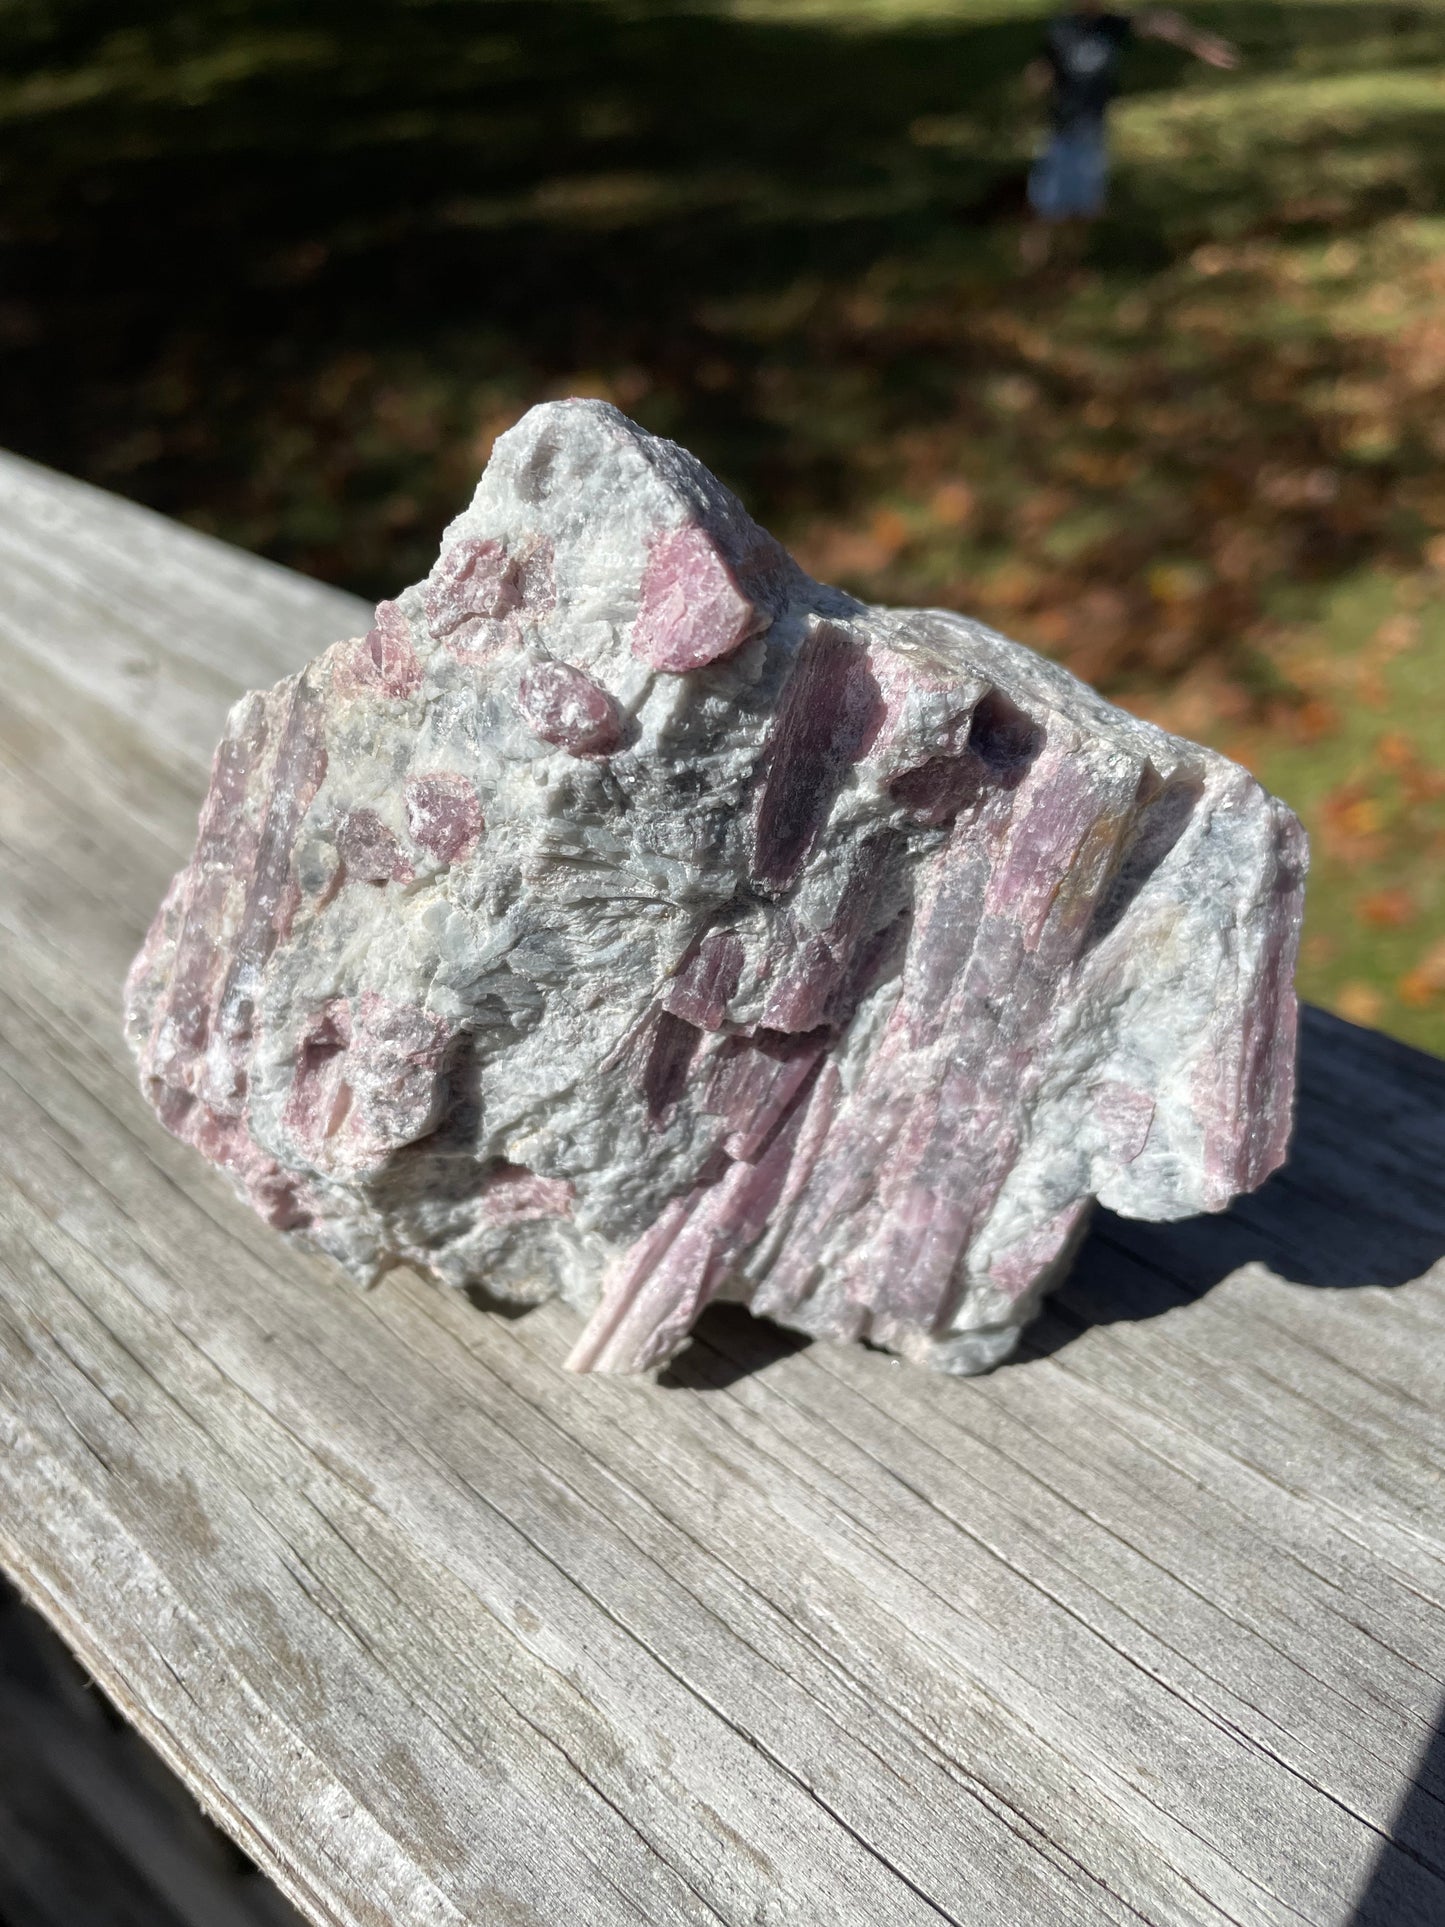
(1426, 982)
(1371, 689)
(1051, 627)
(953, 505)
(1312, 721)
(1350, 824)
(1389, 909)
(1362, 816)
(890, 533)
(1360, 1003)
(1423, 785)
(1396, 750)
(1396, 635)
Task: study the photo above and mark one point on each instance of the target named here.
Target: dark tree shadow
(278, 269)
(1359, 1202)
(1407, 1884)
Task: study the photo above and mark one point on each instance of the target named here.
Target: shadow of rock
(1360, 1201)
(728, 1344)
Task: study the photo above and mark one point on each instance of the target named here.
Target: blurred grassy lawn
(286, 273)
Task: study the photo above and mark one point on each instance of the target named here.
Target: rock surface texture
(630, 917)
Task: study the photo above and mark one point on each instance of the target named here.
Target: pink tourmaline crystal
(568, 709)
(630, 917)
(692, 611)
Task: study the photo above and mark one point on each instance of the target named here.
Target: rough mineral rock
(630, 917)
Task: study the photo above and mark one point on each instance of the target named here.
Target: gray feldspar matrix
(629, 917)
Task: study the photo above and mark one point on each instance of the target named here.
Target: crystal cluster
(627, 916)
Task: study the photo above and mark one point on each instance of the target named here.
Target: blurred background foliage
(286, 271)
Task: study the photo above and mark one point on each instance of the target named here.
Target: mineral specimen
(630, 917)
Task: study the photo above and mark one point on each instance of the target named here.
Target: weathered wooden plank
(715, 1769)
(1147, 1627)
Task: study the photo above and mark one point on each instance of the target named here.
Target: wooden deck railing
(1144, 1627)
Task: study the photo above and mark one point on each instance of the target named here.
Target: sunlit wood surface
(1145, 1627)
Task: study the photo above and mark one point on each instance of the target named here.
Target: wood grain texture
(1146, 1627)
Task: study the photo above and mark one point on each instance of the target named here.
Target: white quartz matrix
(629, 917)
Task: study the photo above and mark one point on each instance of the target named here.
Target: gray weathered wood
(1146, 1627)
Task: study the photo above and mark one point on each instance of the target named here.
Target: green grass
(286, 272)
